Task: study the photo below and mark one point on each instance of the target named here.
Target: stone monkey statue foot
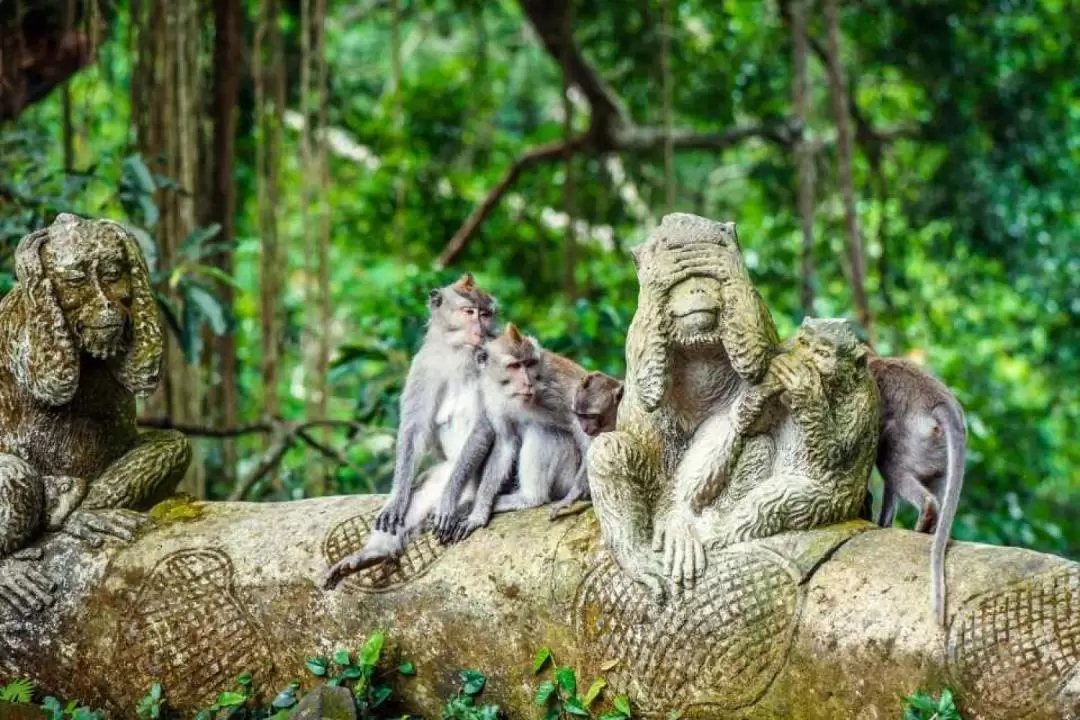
(22, 587)
(145, 475)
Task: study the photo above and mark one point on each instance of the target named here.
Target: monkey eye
(486, 314)
(110, 274)
(531, 363)
(75, 278)
(470, 311)
(513, 366)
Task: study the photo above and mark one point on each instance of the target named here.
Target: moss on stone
(179, 508)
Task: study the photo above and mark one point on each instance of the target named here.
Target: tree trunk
(840, 100)
(833, 623)
(222, 205)
(804, 154)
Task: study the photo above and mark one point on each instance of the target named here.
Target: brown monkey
(921, 456)
(528, 422)
(596, 403)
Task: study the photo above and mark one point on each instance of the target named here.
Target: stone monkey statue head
(86, 289)
(695, 295)
(462, 314)
(832, 346)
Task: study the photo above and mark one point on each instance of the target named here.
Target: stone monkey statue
(701, 337)
(80, 337)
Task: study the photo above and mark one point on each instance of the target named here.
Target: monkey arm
(419, 402)
(499, 465)
(146, 474)
(476, 451)
(580, 487)
(749, 335)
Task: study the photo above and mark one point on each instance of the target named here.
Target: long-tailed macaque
(596, 403)
(439, 407)
(921, 456)
(528, 422)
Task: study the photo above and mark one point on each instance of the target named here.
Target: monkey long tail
(951, 418)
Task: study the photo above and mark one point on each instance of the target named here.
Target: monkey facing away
(439, 407)
(528, 423)
(921, 456)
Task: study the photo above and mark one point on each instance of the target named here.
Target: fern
(20, 690)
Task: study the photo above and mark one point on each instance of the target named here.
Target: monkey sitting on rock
(440, 405)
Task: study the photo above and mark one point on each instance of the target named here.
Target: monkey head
(596, 403)
(62, 495)
(830, 345)
(513, 365)
(462, 313)
(687, 269)
(86, 289)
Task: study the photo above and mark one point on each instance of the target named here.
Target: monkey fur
(921, 456)
(440, 405)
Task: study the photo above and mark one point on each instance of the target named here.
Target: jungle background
(301, 172)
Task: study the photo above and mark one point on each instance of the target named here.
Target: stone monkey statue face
(694, 306)
(831, 346)
(514, 366)
(91, 277)
(85, 288)
(463, 313)
(596, 403)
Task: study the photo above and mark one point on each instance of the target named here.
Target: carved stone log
(831, 623)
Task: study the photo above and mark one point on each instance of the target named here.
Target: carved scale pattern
(349, 535)
(188, 628)
(1013, 648)
(720, 646)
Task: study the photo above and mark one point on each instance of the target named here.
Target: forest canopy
(300, 173)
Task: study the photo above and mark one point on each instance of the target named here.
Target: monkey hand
(684, 555)
(795, 375)
(392, 514)
(95, 525)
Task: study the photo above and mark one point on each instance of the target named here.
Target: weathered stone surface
(834, 623)
(326, 703)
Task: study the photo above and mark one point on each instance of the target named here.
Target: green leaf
(134, 167)
(316, 666)
(380, 695)
(155, 691)
(542, 656)
(341, 657)
(594, 691)
(574, 707)
(566, 679)
(52, 706)
(473, 681)
(231, 699)
(613, 715)
(146, 245)
(334, 682)
(284, 699)
(20, 690)
(352, 672)
(200, 235)
(544, 692)
(406, 668)
(244, 680)
(622, 704)
(369, 655)
(209, 307)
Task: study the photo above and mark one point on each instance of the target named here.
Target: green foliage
(72, 711)
(559, 698)
(922, 706)
(20, 690)
(150, 706)
(463, 706)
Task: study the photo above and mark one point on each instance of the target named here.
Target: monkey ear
(619, 393)
(513, 333)
(435, 298)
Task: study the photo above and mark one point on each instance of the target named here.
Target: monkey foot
(25, 589)
(392, 515)
(557, 509)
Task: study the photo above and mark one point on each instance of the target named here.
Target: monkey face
(596, 403)
(515, 364)
(464, 312)
(91, 276)
(694, 306)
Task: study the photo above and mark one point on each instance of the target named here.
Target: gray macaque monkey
(529, 423)
(439, 407)
(596, 403)
(921, 456)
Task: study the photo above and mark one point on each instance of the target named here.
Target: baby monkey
(921, 455)
(596, 403)
(528, 423)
